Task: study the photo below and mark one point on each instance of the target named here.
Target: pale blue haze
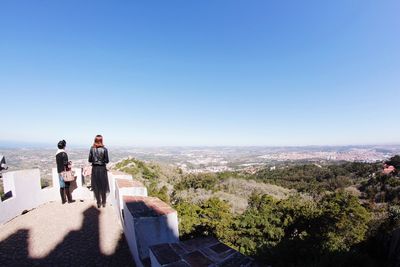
(200, 72)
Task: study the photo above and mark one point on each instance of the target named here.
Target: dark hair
(98, 141)
(61, 144)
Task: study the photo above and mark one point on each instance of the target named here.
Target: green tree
(216, 219)
(344, 222)
(189, 219)
(259, 227)
(161, 193)
(213, 217)
(394, 216)
(206, 181)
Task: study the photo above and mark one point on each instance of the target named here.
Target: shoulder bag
(68, 175)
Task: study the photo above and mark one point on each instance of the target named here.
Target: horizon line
(21, 144)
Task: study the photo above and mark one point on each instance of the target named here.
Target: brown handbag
(68, 175)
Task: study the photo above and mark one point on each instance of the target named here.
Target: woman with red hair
(98, 156)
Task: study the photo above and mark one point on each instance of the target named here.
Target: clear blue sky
(200, 72)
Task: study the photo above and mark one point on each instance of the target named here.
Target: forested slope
(342, 214)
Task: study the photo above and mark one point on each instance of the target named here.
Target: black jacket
(98, 156)
(62, 161)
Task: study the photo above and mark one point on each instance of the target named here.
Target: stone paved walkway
(76, 234)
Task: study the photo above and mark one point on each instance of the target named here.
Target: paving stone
(76, 234)
(220, 248)
(180, 263)
(165, 254)
(196, 243)
(197, 259)
(201, 252)
(178, 249)
(235, 260)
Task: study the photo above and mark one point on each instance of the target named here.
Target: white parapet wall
(126, 187)
(113, 196)
(24, 188)
(26, 191)
(148, 221)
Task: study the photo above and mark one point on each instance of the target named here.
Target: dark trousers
(100, 197)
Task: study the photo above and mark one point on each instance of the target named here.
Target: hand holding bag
(68, 175)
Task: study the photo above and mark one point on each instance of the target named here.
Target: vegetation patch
(341, 214)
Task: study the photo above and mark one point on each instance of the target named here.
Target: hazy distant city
(203, 159)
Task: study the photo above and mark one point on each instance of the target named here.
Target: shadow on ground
(78, 248)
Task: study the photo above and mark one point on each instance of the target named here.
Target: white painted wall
(126, 191)
(113, 192)
(155, 230)
(26, 193)
(130, 236)
(143, 232)
(153, 260)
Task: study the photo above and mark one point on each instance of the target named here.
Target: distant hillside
(196, 188)
(159, 178)
(148, 170)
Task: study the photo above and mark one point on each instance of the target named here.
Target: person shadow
(78, 248)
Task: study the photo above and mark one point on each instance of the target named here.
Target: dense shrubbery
(155, 191)
(382, 188)
(137, 167)
(211, 218)
(207, 181)
(330, 227)
(44, 183)
(316, 179)
(268, 228)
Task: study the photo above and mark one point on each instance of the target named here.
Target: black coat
(98, 156)
(62, 161)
